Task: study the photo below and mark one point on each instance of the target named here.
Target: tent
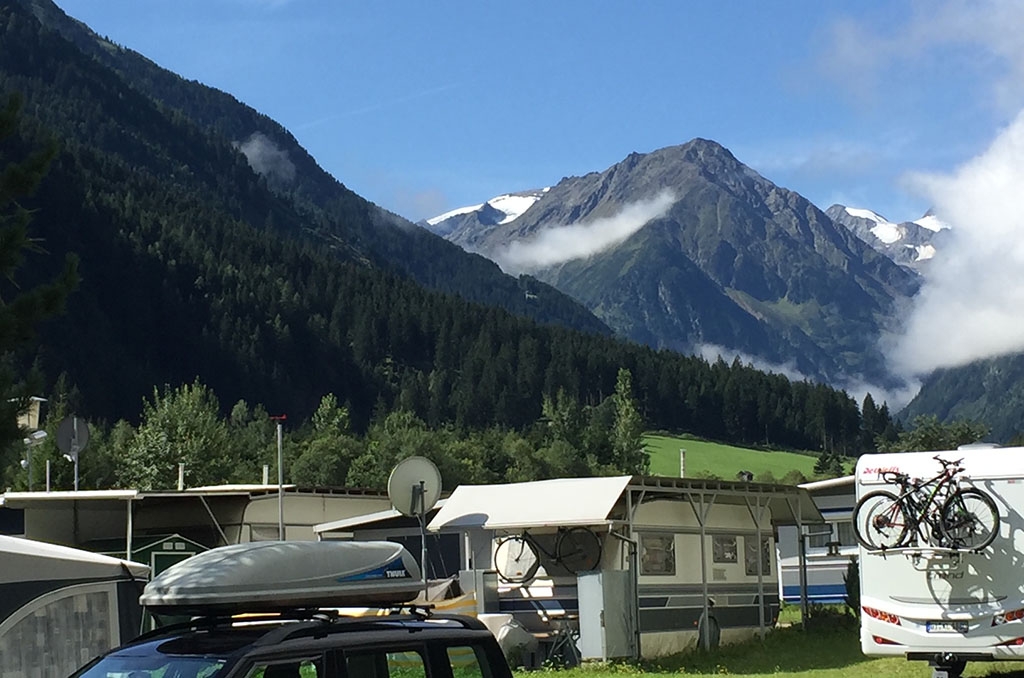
(87, 601)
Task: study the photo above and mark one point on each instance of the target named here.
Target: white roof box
(280, 576)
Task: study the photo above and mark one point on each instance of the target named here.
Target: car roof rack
(311, 621)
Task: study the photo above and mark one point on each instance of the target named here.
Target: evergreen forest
(207, 293)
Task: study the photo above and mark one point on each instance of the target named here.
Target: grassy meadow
(724, 461)
(830, 653)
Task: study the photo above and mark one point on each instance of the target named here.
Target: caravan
(934, 586)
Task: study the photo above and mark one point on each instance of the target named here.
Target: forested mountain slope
(88, 102)
(195, 265)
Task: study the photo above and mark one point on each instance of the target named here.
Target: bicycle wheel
(578, 549)
(969, 520)
(515, 560)
(880, 521)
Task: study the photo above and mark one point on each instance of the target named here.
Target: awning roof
(367, 519)
(26, 560)
(541, 503)
(589, 501)
(828, 483)
(789, 504)
(20, 499)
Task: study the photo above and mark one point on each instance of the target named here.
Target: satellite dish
(72, 436)
(412, 480)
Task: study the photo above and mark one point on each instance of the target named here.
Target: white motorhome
(924, 600)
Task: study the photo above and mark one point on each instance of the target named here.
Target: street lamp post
(33, 439)
(280, 419)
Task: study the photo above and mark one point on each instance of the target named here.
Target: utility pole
(280, 419)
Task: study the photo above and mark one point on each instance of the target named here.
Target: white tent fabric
(562, 502)
(28, 560)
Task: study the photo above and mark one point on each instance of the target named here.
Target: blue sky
(426, 106)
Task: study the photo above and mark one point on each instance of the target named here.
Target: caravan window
(657, 554)
(723, 549)
(751, 555)
(842, 532)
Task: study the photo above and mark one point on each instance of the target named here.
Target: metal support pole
(131, 528)
(803, 576)
(418, 492)
(74, 448)
(280, 481)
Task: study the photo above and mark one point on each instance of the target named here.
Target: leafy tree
(179, 425)
(928, 433)
(851, 581)
(327, 453)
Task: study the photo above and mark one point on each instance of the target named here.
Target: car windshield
(153, 666)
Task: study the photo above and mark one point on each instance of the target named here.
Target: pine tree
(21, 309)
(628, 431)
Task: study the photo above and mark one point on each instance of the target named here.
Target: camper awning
(367, 519)
(789, 504)
(562, 502)
(22, 499)
(24, 560)
(589, 501)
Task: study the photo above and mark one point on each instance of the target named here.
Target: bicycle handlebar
(895, 477)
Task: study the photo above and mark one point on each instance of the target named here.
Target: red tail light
(879, 640)
(1007, 617)
(1015, 641)
(881, 616)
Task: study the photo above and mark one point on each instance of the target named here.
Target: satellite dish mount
(414, 488)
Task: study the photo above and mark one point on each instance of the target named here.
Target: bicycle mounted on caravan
(936, 511)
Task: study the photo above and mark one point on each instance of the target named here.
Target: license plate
(946, 627)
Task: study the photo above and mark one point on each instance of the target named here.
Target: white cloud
(970, 306)
(856, 388)
(712, 352)
(266, 158)
(984, 37)
(558, 244)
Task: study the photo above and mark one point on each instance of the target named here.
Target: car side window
(287, 668)
(468, 661)
(384, 664)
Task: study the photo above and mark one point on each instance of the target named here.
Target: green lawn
(831, 653)
(724, 461)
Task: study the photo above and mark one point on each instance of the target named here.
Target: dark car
(392, 646)
(270, 610)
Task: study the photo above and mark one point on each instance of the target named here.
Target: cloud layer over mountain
(970, 306)
(558, 244)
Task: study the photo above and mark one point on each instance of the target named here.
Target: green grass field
(831, 653)
(724, 461)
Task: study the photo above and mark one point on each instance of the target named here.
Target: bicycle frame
(922, 505)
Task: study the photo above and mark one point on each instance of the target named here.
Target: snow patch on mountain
(434, 221)
(932, 223)
(909, 242)
(512, 205)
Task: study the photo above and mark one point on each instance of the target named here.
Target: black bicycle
(936, 511)
(518, 557)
